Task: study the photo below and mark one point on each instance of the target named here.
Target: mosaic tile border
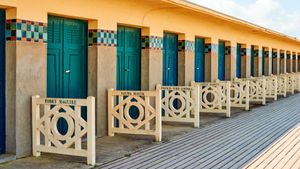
(101, 37)
(186, 45)
(208, 48)
(228, 50)
(152, 42)
(256, 52)
(244, 52)
(25, 30)
(274, 54)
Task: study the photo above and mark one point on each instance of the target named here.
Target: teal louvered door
(263, 62)
(238, 60)
(221, 60)
(66, 60)
(2, 81)
(170, 59)
(129, 59)
(199, 59)
(252, 61)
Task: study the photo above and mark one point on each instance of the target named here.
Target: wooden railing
(239, 94)
(281, 85)
(271, 87)
(214, 97)
(46, 136)
(123, 105)
(180, 104)
(290, 83)
(257, 89)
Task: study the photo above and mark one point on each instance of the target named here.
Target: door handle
(169, 68)
(67, 71)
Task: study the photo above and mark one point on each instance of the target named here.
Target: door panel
(238, 61)
(170, 60)
(221, 61)
(263, 62)
(129, 59)
(67, 61)
(199, 59)
(2, 81)
(252, 61)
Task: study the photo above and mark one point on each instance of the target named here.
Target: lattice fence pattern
(271, 87)
(239, 94)
(290, 83)
(46, 113)
(281, 85)
(180, 104)
(131, 112)
(257, 89)
(214, 97)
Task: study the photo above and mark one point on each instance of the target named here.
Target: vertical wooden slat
(147, 124)
(110, 116)
(121, 112)
(36, 137)
(91, 147)
(158, 116)
(77, 126)
(47, 124)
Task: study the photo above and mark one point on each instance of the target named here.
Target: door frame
(3, 71)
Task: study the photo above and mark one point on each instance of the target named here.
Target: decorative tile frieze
(244, 52)
(207, 48)
(100, 37)
(266, 53)
(152, 42)
(186, 45)
(256, 52)
(24, 30)
(281, 55)
(274, 54)
(228, 50)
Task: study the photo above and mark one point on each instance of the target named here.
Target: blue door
(170, 59)
(238, 60)
(66, 61)
(263, 62)
(252, 61)
(2, 81)
(221, 61)
(129, 59)
(199, 59)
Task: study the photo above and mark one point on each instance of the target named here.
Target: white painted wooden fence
(271, 87)
(214, 97)
(257, 89)
(290, 83)
(185, 99)
(281, 85)
(239, 94)
(120, 118)
(46, 112)
(297, 81)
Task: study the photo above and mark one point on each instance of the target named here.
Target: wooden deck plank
(229, 144)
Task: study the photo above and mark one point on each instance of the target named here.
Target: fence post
(247, 95)
(264, 90)
(36, 136)
(110, 105)
(91, 147)
(196, 105)
(228, 101)
(158, 126)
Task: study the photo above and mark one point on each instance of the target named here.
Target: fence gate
(214, 97)
(148, 119)
(239, 94)
(180, 104)
(271, 87)
(282, 85)
(46, 112)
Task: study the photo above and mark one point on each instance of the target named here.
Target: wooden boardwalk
(232, 143)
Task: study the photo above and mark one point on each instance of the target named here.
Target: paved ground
(232, 143)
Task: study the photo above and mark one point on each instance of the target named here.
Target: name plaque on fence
(176, 88)
(61, 101)
(133, 93)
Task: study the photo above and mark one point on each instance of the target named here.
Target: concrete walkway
(232, 143)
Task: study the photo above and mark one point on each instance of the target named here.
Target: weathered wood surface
(285, 153)
(232, 143)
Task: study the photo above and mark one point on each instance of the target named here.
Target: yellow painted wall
(158, 15)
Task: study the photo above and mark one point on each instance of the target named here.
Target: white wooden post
(35, 135)
(228, 99)
(91, 134)
(158, 136)
(110, 116)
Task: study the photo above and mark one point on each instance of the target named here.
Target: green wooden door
(170, 59)
(2, 81)
(199, 59)
(129, 59)
(66, 60)
(221, 60)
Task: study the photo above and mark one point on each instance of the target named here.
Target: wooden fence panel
(282, 85)
(180, 104)
(214, 97)
(271, 87)
(290, 83)
(239, 94)
(46, 112)
(148, 121)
